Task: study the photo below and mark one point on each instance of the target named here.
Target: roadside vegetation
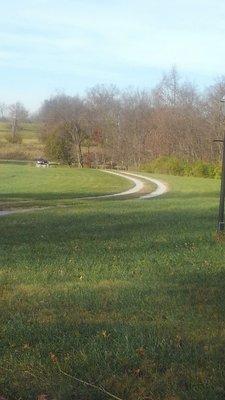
(181, 167)
(127, 295)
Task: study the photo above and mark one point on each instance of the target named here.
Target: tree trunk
(14, 129)
(80, 158)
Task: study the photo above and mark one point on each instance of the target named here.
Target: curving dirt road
(161, 187)
(137, 179)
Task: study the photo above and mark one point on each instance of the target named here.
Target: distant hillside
(30, 147)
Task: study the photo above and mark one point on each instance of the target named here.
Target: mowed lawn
(127, 295)
(27, 186)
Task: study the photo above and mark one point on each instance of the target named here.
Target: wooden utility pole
(222, 187)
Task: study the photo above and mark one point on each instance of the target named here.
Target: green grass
(28, 186)
(128, 295)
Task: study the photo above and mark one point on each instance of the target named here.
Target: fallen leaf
(53, 358)
(141, 351)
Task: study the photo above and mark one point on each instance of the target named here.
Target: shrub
(58, 148)
(175, 166)
(169, 165)
(201, 169)
(217, 171)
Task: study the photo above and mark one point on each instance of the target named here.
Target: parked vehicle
(41, 162)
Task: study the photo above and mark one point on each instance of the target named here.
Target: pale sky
(68, 45)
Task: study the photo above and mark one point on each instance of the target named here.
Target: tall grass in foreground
(128, 295)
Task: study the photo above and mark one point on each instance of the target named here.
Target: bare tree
(3, 109)
(17, 114)
(131, 127)
(70, 114)
(104, 108)
(167, 91)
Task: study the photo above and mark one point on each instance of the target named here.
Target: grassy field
(127, 295)
(29, 149)
(29, 131)
(24, 185)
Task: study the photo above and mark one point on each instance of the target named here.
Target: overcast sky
(69, 45)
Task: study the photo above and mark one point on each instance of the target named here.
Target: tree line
(131, 127)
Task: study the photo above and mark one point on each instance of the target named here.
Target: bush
(58, 148)
(202, 169)
(217, 171)
(175, 166)
(169, 165)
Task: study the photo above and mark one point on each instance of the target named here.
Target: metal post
(222, 193)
